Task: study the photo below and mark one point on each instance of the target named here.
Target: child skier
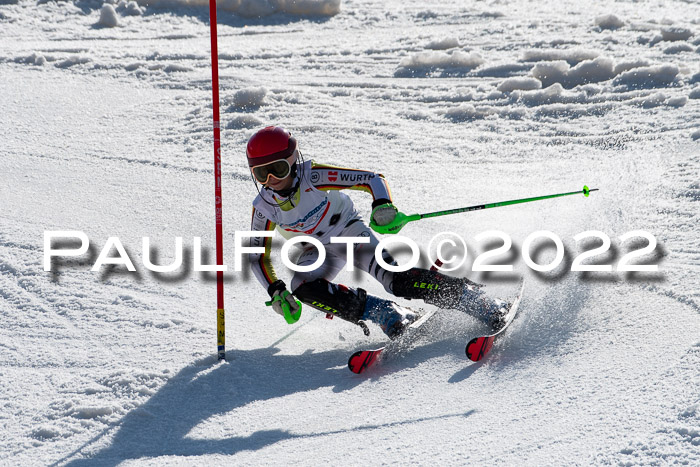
(303, 198)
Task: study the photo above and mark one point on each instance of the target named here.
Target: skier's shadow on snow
(205, 389)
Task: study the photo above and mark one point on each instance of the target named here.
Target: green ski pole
(402, 219)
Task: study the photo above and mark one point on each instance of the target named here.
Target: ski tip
(363, 359)
(478, 347)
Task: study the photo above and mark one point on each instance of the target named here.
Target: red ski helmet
(271, 144)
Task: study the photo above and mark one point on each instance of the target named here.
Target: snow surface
(107, 130)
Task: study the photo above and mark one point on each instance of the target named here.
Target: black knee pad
(431, 286)
(335, 299)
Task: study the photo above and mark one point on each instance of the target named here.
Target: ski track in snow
(108, 131)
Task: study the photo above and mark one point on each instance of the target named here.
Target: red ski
(479, 347)
(363, 359)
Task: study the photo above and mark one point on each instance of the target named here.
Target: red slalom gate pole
(220, 315)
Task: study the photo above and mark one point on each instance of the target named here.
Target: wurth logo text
(356, 177)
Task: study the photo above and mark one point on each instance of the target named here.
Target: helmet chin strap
(292, 189)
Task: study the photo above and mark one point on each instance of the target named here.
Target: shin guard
(430, 286)
(334, 299)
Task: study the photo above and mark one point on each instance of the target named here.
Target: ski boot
(450, 293)
(390, 316)
(491, 311)
(356, 306)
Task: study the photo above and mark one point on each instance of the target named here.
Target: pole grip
(289, 317)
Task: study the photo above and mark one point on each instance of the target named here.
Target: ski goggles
(279, 169)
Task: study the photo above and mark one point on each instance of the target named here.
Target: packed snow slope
(106, 123)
